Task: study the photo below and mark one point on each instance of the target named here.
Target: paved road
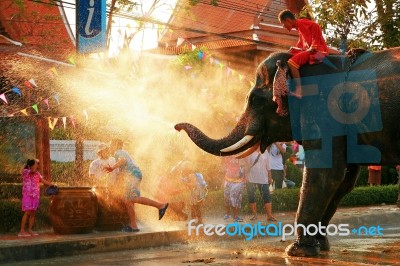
(350, 250)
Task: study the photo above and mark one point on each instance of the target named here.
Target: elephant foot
(303, 250)
(323, 243)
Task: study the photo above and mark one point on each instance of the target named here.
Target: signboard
(90, 26)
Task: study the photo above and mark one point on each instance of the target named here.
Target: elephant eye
(258, 97)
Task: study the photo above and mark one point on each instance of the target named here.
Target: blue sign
(91, 26)
(340, 104)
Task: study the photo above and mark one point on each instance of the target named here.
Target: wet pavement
(143, 248)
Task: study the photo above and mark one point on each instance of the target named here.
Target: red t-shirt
(310, 36)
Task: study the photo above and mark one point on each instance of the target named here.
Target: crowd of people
(115, 168)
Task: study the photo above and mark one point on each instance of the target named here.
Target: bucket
(73, 210)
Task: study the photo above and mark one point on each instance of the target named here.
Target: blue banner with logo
(91, 26)
(339, 104)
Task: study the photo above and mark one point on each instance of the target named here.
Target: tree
(388, 21)
(359, 23)
(339, 19)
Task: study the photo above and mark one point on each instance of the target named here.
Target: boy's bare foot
(297, 93)
(24, 234)
(33, 233)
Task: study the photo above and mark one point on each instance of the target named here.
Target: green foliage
(359, 24)
(288, 199)
(193, 58)
(371, 195)
(389, 176)
(10, 190)
(11, 215)
(124, 5)
(62, 134)
(65, 173)
(293, 173)
(340, 19)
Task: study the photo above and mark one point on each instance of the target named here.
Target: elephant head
(259, 125)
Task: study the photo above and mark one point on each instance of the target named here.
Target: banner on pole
(90, 26)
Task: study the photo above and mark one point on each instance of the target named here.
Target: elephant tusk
(238, 144)
(248, 151)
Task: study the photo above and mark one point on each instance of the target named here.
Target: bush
(11, 215)
(389, 176)
(294, 173)
(10, 190)
(371, 195)
(65, 173)
(288, 199)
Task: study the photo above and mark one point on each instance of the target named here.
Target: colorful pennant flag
(28, 84)
(64, 119)
(72, 120)
(71, 60)
(32, 81)
(52, 124)
(17, 91)
(3, 97)
(179, 41)
(35, 107)
(54, 70)
(57, 98)
(86, 115)
(46, 101)
(24, 112)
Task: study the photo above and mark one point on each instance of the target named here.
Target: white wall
(64, 150)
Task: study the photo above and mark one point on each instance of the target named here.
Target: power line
(171, 26)
(226, 36)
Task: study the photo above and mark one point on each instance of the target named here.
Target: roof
(38, 24)
(247, 22)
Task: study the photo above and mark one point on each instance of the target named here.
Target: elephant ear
(279, 88)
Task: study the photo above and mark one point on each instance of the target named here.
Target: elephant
(364, 84)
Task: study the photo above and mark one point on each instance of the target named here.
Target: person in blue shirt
(132, 177)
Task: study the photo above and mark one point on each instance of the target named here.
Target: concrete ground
(163, 233)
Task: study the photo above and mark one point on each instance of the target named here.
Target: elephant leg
(347, 185)
(318, 188)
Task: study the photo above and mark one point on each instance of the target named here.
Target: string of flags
(52, 121)
(213, 61)
(15, 89)
(35, 106)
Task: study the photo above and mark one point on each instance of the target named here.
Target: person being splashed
(132, 176)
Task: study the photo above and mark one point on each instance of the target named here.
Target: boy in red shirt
(311, 47)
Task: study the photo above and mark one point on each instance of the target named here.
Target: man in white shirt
(258, 174)
(278, 170)
(97, 173)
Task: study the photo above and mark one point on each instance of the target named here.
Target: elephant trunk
(219, 147)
